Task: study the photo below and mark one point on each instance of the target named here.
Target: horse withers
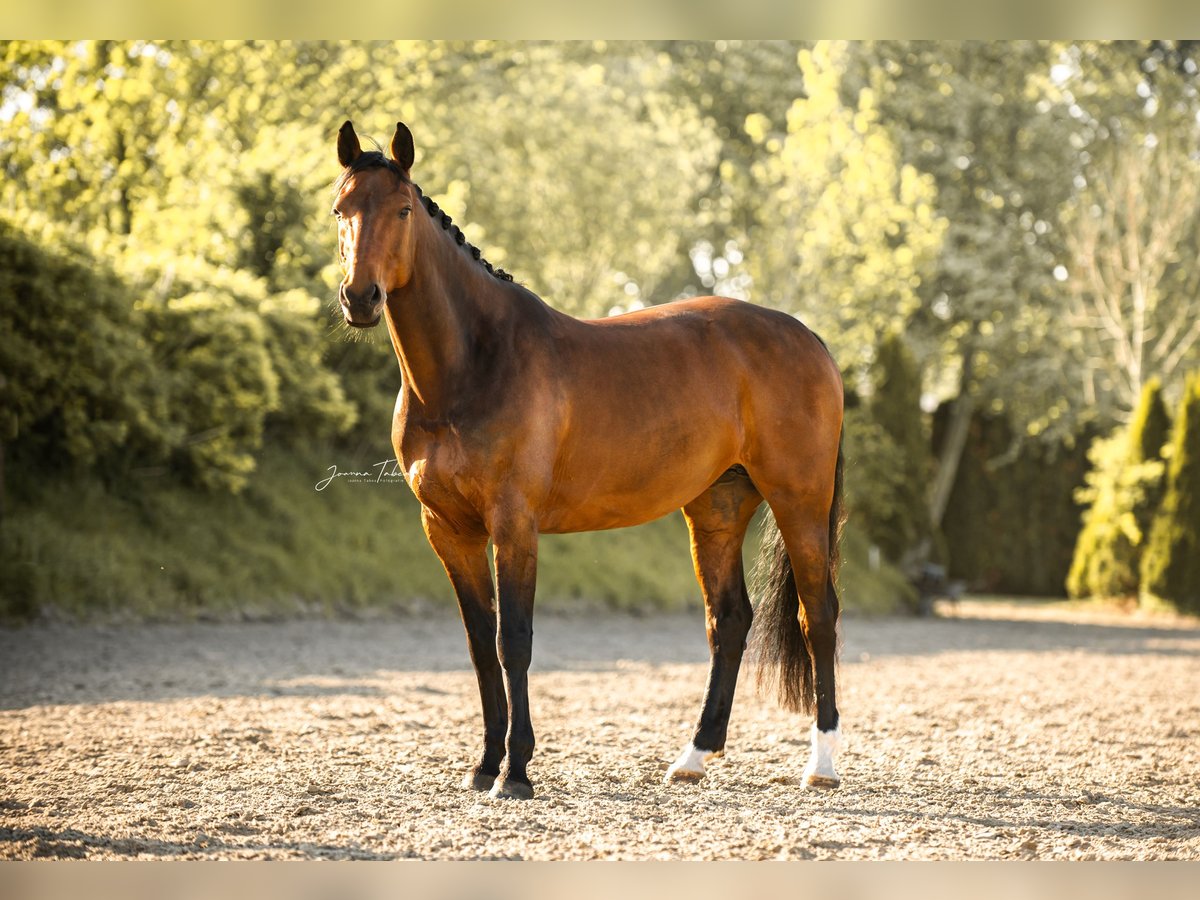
(516, 420)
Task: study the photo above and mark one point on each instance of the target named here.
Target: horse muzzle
(362, 309)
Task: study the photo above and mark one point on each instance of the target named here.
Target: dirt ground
(992, 732)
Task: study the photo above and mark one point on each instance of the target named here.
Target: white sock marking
(690, 764)
(824, 746)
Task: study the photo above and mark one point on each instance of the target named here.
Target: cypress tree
(1151, 424)
(1149, 430)
(1171, 563)
(1125, 486)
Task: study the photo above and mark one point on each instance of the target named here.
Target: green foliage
(923, 188)
(896, 407)
(1122, 492)
(1118, 494)
(874, 488)
(218, 373)
(975, 118)
(1171, 562)
(1131, 229)
(589, 217)
(191, 378)
(76, 377)
(312, 401)
(852, 230)
(1150, 425)
(877, 507)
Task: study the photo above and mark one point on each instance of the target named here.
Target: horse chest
(437, 468)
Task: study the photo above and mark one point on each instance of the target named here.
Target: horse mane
(459, 238)
(376, 159)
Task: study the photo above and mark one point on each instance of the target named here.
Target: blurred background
(997, 240)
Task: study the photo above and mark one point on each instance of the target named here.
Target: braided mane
(376, 159)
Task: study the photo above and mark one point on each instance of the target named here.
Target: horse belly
(635, 482)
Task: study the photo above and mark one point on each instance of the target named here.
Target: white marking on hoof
(690, 764)
(820, 773)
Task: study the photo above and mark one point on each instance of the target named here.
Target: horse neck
(432, 319)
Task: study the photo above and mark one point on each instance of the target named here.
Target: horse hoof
(509, 789)
(689, 767)
(815, 782)
(478, 781)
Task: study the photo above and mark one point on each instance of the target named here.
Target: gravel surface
(992, 732)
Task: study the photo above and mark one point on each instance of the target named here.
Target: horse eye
(404, 212)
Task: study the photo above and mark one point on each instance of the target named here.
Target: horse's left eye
(404, 212)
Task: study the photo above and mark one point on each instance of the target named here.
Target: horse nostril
(372, 296)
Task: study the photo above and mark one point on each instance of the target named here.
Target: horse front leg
(465, 560)
(516, 574)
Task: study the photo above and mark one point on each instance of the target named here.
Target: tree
(1131, 253)
(213, 358)
(1170, 567)
(1122, 494)
(976, 119)
(1130, 226)
(590, 217)
(1151, 424)
(744, 89)
(1012, 520)
(902, 528)
(845, 231)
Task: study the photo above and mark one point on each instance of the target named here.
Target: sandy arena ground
(994, 732)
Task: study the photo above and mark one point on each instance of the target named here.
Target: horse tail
(780, 645)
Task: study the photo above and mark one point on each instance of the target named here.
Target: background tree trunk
(953, 445)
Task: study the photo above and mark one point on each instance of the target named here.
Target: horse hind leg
(717, 521)
(805, 538)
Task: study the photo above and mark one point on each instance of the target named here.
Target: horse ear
(402, 147)
(348, 146)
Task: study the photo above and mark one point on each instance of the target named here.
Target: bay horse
(515, 420)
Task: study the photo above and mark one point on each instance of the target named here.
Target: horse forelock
(370, 159)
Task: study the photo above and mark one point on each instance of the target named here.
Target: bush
(312, 402)
(1170, 566)
(213, 359)
(888, 459)
(78, 380)
(191, 376)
